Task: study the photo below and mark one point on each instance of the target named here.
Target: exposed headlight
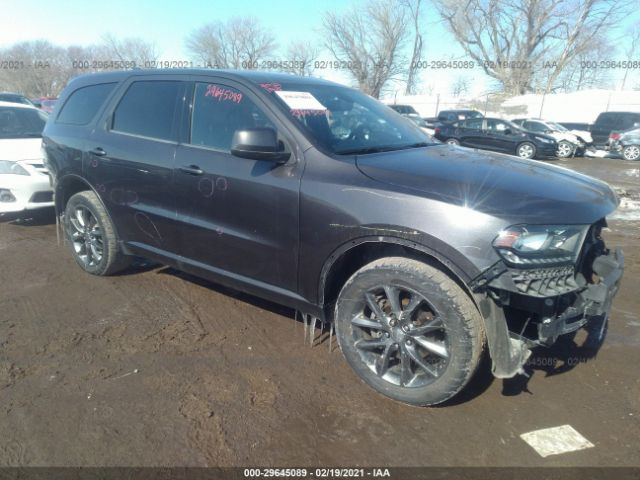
(8, 167)
(544, 140)
(540, 245)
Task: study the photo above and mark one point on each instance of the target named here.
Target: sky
(168, 23)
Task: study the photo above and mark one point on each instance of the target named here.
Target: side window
(218, 111)
(473, 123)
(148, 108)
(606, 119)
(83, 104)
(496, 126)
(535, 126)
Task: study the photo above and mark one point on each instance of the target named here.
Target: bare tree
(511, 39)
(300, 59)
(241, 42)
(36, 68)
(412, 75)
(368, 41)
(632, 49)
(128, 52)
(580, 72)
(460, 87)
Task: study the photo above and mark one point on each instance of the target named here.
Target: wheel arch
(71, 184)
(351, 256)
(68, 186)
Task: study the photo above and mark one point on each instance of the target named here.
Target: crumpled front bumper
(496, 293)
(593, 302)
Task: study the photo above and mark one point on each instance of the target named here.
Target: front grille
(545, 282)
(41, 197)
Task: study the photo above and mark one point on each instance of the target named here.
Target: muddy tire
(409, 331)
(92, 237)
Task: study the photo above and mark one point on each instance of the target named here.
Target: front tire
(409, 331)
(526, 150)
(631, 152)
(565, 149)
(92, 236)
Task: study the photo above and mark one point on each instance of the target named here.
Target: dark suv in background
(608, 122)
(319, 197)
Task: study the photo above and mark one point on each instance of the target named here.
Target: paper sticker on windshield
(300, 101)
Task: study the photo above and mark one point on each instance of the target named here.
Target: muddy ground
(154, 367)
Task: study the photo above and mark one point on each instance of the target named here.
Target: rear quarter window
(83, 104)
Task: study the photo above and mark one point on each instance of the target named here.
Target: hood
(20, 149)
(568, 136)
(507, 187)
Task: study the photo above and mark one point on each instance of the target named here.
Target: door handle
(191, 170)
(98, 152)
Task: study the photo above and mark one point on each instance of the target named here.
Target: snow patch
(556, 440)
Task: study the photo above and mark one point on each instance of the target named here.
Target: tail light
(614, 136)
(436, 131)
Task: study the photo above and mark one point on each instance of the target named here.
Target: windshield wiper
(414, 145)
(383, 148)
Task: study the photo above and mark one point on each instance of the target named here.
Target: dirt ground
(154, 367)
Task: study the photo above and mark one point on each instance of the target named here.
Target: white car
(569, 144)
(24, 180)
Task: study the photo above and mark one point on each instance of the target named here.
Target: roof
(19, 105)
(253, 76)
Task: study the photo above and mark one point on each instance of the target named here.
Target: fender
(462, 268)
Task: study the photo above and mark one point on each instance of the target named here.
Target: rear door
(470, 133)
(131, 157)
(238, 216)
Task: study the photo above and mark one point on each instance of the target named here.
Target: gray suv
(307, 193)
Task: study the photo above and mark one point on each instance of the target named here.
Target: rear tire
(631, 152)
(526, 150)
(409, 331)
(453, 141)
(92, 236)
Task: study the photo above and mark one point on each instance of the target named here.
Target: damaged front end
(529, 300)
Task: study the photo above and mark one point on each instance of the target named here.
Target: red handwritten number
(223, 94)
(271, 87)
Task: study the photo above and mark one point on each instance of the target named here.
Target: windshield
(344, 121)
(557, 126)
(21, 122)
(472, 114)
(14, 98)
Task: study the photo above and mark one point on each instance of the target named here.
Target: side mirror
(507, 131)
(258, 144)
